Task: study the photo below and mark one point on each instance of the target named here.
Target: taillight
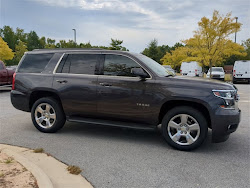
(195, 70)
(180, 70)
(13, 81)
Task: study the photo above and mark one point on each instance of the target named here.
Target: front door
(121, 96)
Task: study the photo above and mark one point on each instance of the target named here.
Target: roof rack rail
(53, 49)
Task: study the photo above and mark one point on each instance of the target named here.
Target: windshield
(153, 65)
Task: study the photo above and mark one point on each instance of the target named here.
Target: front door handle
(105, 84)
(62, 81)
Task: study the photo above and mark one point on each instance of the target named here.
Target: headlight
(229, 97)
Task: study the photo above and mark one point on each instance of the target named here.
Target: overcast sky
(135, 22)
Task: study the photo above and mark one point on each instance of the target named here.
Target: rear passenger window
(80, 64)
(35, 63)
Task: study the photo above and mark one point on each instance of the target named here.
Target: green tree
(85, 45)
(117, 45)
(20, 35)
(42, 42)
(5, 52)
(246, 45)
(9, 36)
(20, 49)
(64, 44)
(50, 43)
(156, 52)
(33, 41)
(177, 45)
(151, 50)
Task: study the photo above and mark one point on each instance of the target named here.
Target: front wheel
(184, 128)
(47, 115)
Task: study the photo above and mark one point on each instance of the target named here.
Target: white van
(191, 68)
(241, 71)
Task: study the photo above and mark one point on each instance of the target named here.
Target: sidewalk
(49, 172)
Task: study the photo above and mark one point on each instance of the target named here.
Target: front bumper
(218, 77)
(224, 122)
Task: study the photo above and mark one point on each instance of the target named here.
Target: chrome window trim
(72, 74)
(102, 53)
(57, 64)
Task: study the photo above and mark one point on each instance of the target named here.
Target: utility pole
(74, 36)
(236, 29)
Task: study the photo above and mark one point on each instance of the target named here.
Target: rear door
(75, 81)
(121, 96)
(239, 69)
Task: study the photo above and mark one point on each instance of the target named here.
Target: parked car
(124, 89)
(217, 73)
(241, 71)
(169, 69)
(6, 75)
(191, 68)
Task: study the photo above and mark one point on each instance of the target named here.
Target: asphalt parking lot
(116, 157)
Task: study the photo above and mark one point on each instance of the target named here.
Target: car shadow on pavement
(151, 137)
(114, 133)
(144, 137)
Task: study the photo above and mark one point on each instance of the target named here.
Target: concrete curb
(48, 171)
(43, 180)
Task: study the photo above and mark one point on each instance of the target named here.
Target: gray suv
(124, 89)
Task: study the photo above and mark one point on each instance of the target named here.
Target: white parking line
(244, 101)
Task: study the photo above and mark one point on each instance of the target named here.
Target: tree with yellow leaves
(5, 52)
(210, 45)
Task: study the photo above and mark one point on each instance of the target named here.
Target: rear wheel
(47, 115)
(184, 128)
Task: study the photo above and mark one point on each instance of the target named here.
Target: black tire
(58, 122)
(192, 113)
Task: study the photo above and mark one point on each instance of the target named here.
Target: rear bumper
(225, 122)
(241, 79)
(19, 100)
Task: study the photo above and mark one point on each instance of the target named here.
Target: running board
(112, 123)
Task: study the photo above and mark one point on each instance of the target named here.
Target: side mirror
(139, 72)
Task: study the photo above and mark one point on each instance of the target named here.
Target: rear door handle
(105, 84)
(62, 81)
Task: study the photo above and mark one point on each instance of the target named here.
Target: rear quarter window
(35, 63)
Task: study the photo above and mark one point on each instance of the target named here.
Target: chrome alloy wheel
(183, 129)
(45, 115)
